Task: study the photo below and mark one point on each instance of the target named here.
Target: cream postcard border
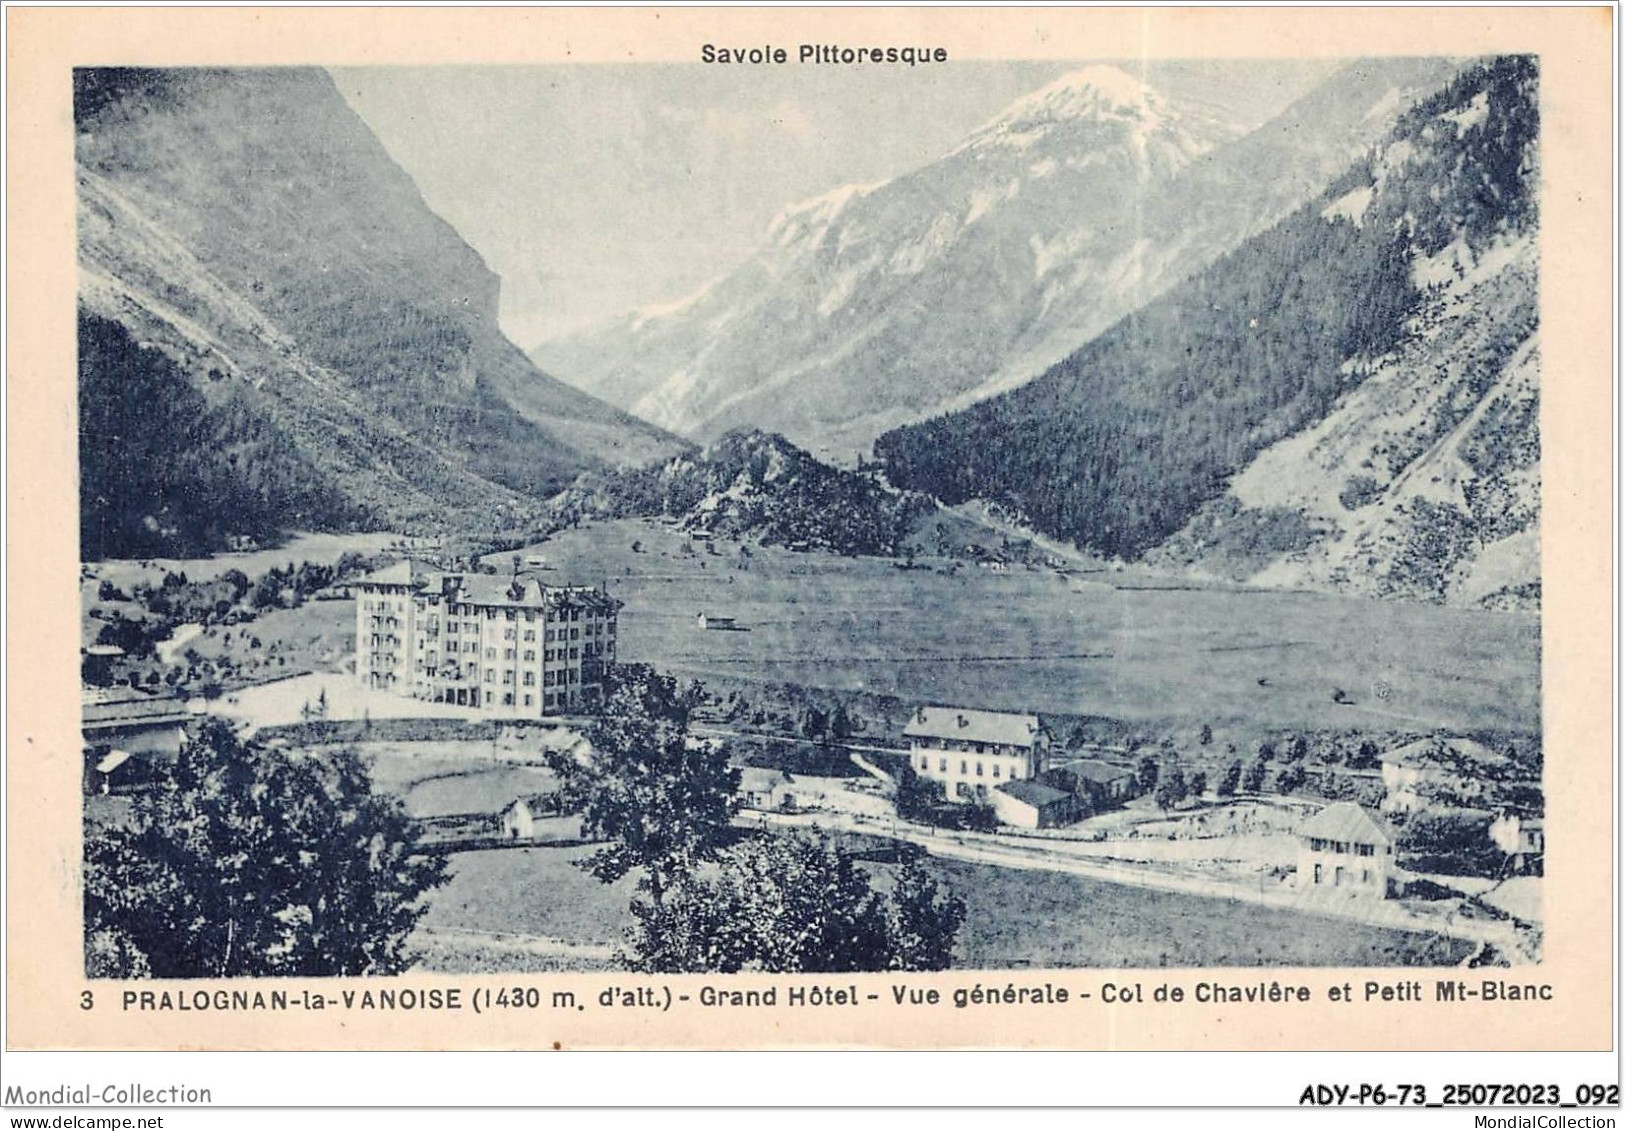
(44, 968)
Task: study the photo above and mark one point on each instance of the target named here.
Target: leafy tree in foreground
(246, 862)
(794, 904)
(1231, 781)
(663, 802)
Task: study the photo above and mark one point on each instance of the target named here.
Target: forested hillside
(1118, 447)
(246, 226)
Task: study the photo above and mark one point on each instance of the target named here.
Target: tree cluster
(248, 862)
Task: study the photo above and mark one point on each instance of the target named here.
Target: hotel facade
(974, 752)
(513, 647)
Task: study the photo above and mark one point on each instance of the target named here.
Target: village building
(1344, 848)
(1104, 784)
(1413, 775)
(513, 647)
(125, 731)
(1523, 839)
(971, 752)
(1033, 805)
(766, 790)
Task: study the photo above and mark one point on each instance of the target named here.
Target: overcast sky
(596, 189)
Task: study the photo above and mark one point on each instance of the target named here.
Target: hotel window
(530, 634)
(490, 675)
(507, 634)
(925, 763)
(575, 634)
(507, 699)
(995, 769)
(575, 653)
(978, 769)
(530, 681)
(529, 699)
(963, 766)
(507, 653)
(530, 655)
(530, 615)
(550, 634)
(547, 681)
(942, 765)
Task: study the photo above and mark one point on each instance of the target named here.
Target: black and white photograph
(725, 516)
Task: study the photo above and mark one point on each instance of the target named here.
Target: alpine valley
(876, 305)
(277, 333)
(1303, 355)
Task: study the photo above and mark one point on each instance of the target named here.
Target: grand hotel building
(511, 646)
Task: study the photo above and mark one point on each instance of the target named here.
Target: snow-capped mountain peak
(795, 220)
(1091, 94)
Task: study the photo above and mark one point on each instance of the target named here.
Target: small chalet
(130, 720)
(1102, 782)
(1344, 847)
(1033, 805)
(1523, 839)
(1411, 773)
(766, 790)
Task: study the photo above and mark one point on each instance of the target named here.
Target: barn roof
(1093, 769)
(1033, 793)
(98, 712)
(1344, 820)
(761, 779)
(973, 726)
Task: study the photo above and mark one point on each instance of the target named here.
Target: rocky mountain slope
(754, 486)
(246, 229)
(1349, 399)
(876, 305)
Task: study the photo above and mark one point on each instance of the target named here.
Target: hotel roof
(1033, 793)
(973, 726)
(524, 590)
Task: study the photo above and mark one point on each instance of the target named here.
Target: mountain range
(277, 332)
(873, 306)
(1347, 400)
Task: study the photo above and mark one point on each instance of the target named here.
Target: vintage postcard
(887, 528)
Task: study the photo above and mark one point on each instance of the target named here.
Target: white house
(518, 822)
(1523, 839)
(1345, 848)
(1413, 773)
(974, 752)
(766, 790)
